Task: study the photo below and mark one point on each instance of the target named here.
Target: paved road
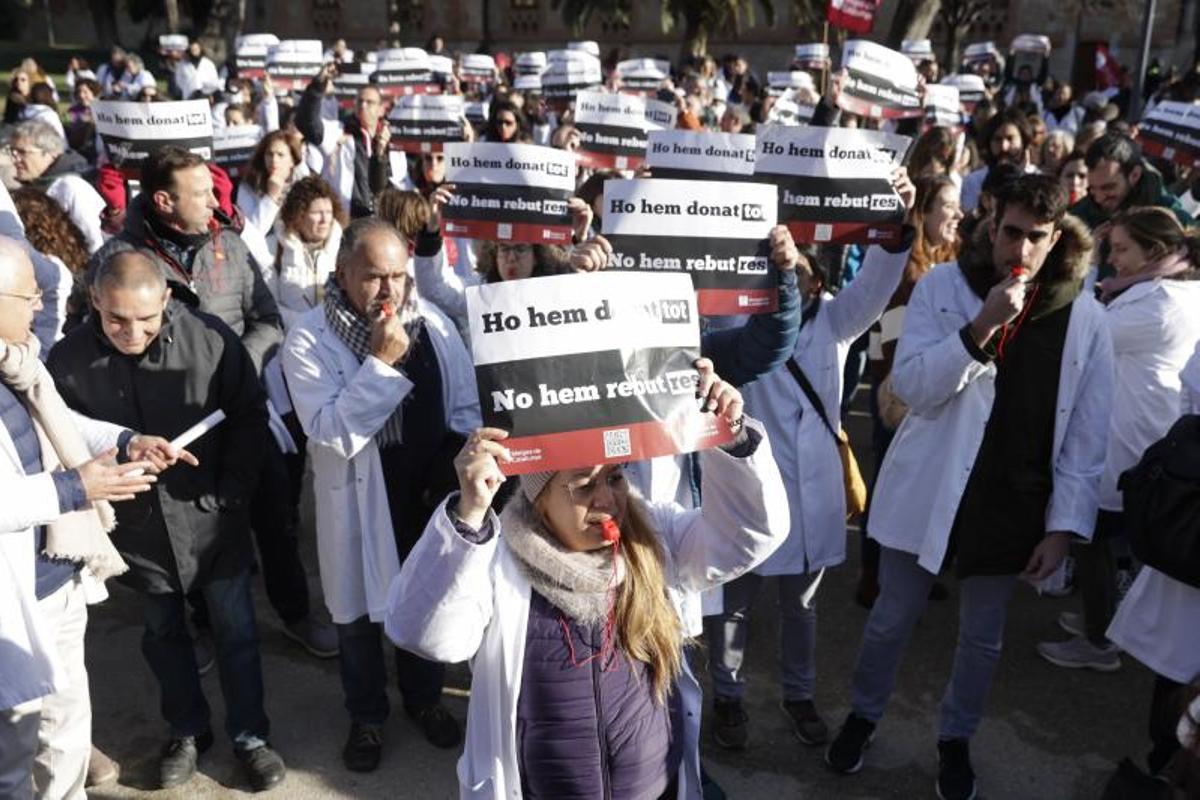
(1050, 735)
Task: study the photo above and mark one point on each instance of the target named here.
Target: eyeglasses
(32, 299)
(582, 491)
(22, 152)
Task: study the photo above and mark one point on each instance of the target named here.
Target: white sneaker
(1072, 623)
(1078, 653)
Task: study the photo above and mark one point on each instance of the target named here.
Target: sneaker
(1078, 653)
(956, 779)
(1072, 623)
(263, 766)
(441, 729)
(806, 722)
(206, 657)
(178, 763)
(364, 747)
(845, 755)
(319, 638)
(730, 729)
(101, 769)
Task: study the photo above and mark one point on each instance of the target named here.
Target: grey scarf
(577, 583)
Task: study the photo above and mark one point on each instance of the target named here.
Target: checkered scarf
(355, 332)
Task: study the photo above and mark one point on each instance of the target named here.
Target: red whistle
(1018, 271)
(387, 309)
(610, 531)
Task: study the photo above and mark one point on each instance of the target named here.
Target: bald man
(385, 391)
(45, 713)
(148, 363)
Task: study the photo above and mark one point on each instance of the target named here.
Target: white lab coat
(83, 205)
(446, 284)
(341, 404)
(455, 601)
(294, 281)
(28, 656)
(950, 395)
(200, 77)
(804, 450)
(1158, 621)
(1154, 328)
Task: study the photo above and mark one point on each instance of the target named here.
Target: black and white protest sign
(971, 89)
(789, 110)
(881, 82)
(569, 72)
(613, 127)
(132, 131)
(477, 68)
(642, 75)
(250, 54)
(716, 231)
(701, 155)
(814, 55)
(509, 192)
(350, 79)
(981, 53)
(942, 106)
(404, 71)
(423, 123)
(1171, 131)
(172, 43)
(1029, 51)
(780, 82)
(834, 183)
(528, 83)
(233, 146)
(476, 112)
(590, 369)
(294, 62)
(533, 63)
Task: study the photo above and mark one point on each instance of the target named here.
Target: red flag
(857, 16)
(1108, 69)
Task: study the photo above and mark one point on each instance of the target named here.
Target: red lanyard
(1007, 334)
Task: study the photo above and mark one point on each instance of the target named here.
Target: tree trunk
(172, 10)
(695, 37)
(221, 27)
(104, 17)
(950, 57)
(913, 20)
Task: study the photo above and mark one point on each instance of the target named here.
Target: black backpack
(1162, 503)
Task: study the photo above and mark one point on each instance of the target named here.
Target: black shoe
(263, 765)
(441, 729)
(179, 757)
(845, 755)
(806, 722)
(364, 747)
(956, 779)
(730, 729)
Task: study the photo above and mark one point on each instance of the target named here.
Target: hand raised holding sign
(479, 475)
(581, 218)
(437, 201)
(591, 256)
(717, 396)
(784, 253)
(906, 189)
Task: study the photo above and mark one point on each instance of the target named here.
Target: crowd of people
(1030, 335)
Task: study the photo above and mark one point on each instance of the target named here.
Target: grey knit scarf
(577, 583)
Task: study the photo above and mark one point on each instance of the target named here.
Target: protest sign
(131, 131)
(1029, 51)
(533, 63)
(422, 123)
(233, 146)
(404, 71)
(589, 46)
(477, 68)
(881, 83)
(834, 183)
(857, 16)
(590, 369)
(476, 112)
(780, 82)
(971, 89)
(814, 55)
(788, 110)
(172, 43)
(942, 106)
(294, 62)
(1171, 131)
(612, 128)
(919, 50)
(569, 72)
(701, 155)
(349, 80)
(642, 75)
(528, 83)
(982, 53)
(509, 192)
(716, 231)
(442, 68)
(250, 54)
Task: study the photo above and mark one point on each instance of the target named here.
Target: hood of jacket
(68, 163)
(139, 210)
(1067, 263)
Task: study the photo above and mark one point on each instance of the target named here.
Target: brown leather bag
(852, 479)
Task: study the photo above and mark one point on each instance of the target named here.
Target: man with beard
(1008, 137)
(1006, 366)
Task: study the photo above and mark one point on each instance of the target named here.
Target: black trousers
(1096, 576)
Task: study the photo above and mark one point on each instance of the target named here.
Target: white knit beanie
(532, 483)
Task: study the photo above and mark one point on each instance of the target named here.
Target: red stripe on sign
(866, 108)
(1159, 149)
(391, 91)
(410, 146)
(612, 445)
(726, 302)
(607, 160)
(844, 232)
(532, 233)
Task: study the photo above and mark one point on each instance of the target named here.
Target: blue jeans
(167, 646)
(364, 674)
